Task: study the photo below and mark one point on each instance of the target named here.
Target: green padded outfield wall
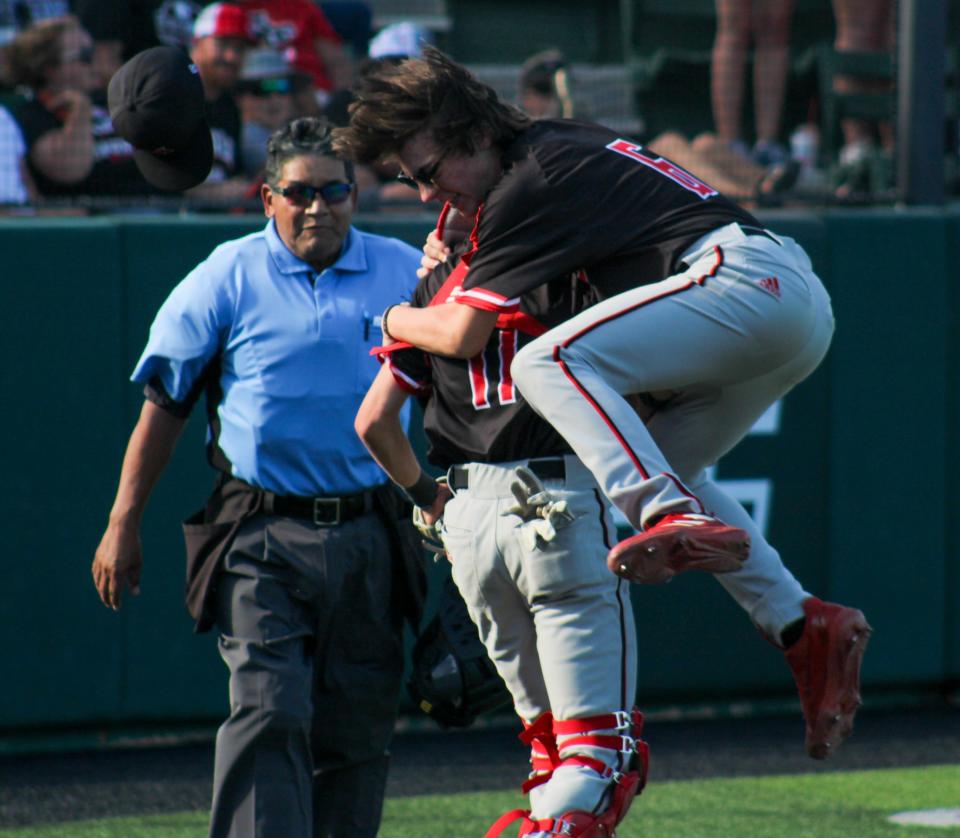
(854, 474)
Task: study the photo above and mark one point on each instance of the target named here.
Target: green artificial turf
(843, 804)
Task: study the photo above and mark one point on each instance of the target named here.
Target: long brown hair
(396, 101)
(36, 50)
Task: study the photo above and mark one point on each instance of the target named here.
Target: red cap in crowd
(223, 20)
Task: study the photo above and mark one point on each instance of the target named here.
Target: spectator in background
(352, 20)
(122, 28)
(544, 86)
(221, 37)
(266, 95)
(299, 29)
(397, 41)
(16, 185)
(862, 27)
(377, 184)
(72, 148)
(767, 23)
(17, 15)
(713, 161)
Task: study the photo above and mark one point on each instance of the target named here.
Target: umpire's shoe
(826, 666)
(677, 543)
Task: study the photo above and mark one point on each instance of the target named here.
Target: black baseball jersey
(472, 410)
(577, 195)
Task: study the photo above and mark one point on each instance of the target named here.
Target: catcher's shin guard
(576, 740)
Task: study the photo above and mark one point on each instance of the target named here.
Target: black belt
(324, 512)
(546, 468)
(747, 230)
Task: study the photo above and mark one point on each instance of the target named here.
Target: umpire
(296, 556)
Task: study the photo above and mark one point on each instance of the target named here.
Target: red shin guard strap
(504, 821)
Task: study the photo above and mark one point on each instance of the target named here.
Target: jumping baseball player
(526, 529)
(700, 305)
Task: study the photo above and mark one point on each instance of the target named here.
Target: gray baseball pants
(556, 623)
(722, 340)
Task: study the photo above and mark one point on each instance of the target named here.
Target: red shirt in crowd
(293, 27)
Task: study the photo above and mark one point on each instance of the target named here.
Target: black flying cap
(157, 105)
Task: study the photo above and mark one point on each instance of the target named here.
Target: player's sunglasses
(424, 177)
(303, 194)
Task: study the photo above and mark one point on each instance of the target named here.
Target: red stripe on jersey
(478, 381)
(488, 300)
(381, 352)
(509, 340)
(699, 280)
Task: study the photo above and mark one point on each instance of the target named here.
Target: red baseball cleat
(677, 543)
(826, 666)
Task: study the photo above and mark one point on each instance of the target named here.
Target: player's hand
(429, 521)
(117, 563)
(434, 512)
(434, 252)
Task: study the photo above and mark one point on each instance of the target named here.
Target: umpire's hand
(117, 562)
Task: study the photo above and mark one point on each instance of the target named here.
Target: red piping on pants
(718, 253)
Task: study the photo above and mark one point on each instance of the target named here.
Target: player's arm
(118, 558)
(451, 329)
(379, 427)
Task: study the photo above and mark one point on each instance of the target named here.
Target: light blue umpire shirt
(294, 347)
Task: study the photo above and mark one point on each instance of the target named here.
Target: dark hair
(394, 102)
(37, 49)
(306, 135)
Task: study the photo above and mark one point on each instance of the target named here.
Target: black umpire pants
(315, 659)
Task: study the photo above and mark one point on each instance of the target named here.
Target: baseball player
(700, 305)
(526, 529)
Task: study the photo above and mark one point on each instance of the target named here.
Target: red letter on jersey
(671, 170)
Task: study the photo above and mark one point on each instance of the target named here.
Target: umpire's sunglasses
(424, 177)
(303, 194)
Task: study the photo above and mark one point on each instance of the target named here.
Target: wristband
(424, 492)
(383, 322)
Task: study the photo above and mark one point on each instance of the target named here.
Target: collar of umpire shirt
(353, 257)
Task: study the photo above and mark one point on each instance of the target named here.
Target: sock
(792, 633)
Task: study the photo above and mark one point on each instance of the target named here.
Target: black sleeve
(529, 234)
(155, 392)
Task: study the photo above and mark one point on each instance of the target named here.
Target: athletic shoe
(826, 666)
(677, 543)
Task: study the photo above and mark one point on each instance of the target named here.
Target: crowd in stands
(263, 62)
